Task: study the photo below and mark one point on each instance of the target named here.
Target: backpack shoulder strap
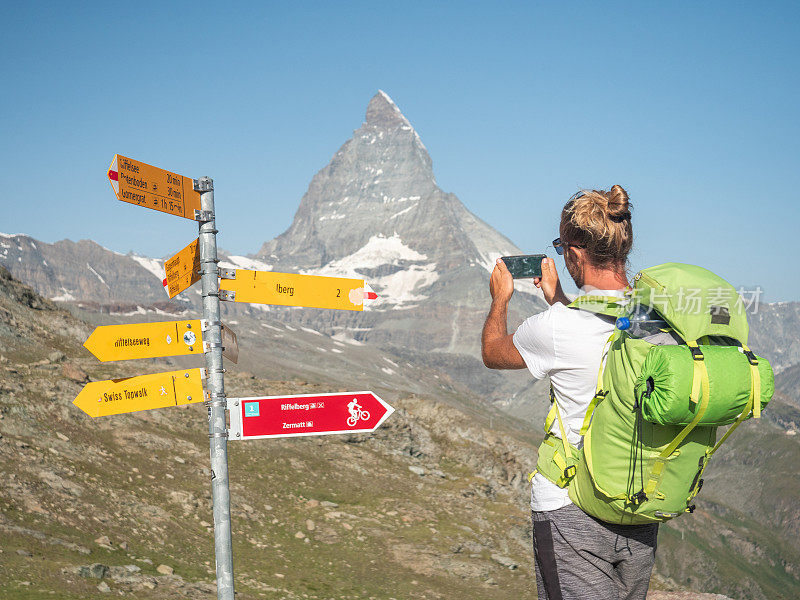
(611, 306)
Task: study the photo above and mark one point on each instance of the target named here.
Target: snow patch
(139, 311)
(332, 217)
(398, 288)
(395, 289)
(379, 250)
(65, 297)
(387, 370)
(96, 274)
(342, 337)
(405, 210)
(151, 264)
(309, 330)
(244, 262)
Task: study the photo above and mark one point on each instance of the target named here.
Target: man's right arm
(497, 346)
(550, 284)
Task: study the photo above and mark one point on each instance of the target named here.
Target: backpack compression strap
(548, 423)
(753, 403)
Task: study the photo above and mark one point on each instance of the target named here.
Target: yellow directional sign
(145, 185)
(291, 289)
(159, 390)
(146, 340)
(182, 270)
(151, 340)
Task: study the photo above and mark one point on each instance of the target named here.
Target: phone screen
(525, 265)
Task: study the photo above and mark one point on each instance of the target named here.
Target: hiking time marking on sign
(306, 414)
(292, 289)
(144, 392)
(152, 340)
(145, 185)
(182, 271)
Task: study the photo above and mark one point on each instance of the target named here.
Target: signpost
(145, 185)
(182, 270)
(151, 340)
(251, 418)
(307, 414)
(144, 392)
(217, 425)
(292, 289)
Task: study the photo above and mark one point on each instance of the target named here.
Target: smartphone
(525, 265)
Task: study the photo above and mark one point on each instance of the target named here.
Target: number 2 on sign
(338, 292)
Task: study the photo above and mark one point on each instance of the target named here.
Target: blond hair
(600, 222)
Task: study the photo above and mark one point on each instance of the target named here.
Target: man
(577, 557)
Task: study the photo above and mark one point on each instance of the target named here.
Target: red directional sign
(308, 414)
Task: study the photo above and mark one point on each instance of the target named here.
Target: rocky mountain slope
(431, 506)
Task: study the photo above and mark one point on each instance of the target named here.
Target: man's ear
(576, 254)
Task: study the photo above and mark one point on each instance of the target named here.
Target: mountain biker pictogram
(356, 413)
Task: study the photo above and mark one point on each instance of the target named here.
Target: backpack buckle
(639, 497)
(697, 354)
(570, 472)
(750, 357)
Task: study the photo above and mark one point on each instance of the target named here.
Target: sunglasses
(561, 247)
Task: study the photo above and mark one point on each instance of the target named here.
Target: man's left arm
(497, 346)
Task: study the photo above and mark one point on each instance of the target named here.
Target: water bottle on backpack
(642, 321)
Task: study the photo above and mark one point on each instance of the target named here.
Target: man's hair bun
(617, 204)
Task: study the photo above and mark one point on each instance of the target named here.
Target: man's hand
(549, 283)
(497, 347)
(501, 283)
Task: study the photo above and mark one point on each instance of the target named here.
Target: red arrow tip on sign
(369, 293)
(113, 175)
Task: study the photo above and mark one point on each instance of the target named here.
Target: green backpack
(651, 427)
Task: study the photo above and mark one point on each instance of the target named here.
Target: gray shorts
(579, 557)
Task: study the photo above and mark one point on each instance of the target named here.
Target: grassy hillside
(434, 505)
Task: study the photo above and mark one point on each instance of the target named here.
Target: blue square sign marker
(251, 409)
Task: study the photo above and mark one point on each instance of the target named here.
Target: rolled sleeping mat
(671, 370)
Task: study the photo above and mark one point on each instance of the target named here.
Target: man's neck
(604, 279)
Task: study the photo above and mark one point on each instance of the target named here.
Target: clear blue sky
(693, 107)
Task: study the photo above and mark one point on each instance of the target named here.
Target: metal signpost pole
(217, 426)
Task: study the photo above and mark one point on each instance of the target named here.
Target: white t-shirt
(567, 345)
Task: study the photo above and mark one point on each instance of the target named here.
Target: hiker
(577, 556)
